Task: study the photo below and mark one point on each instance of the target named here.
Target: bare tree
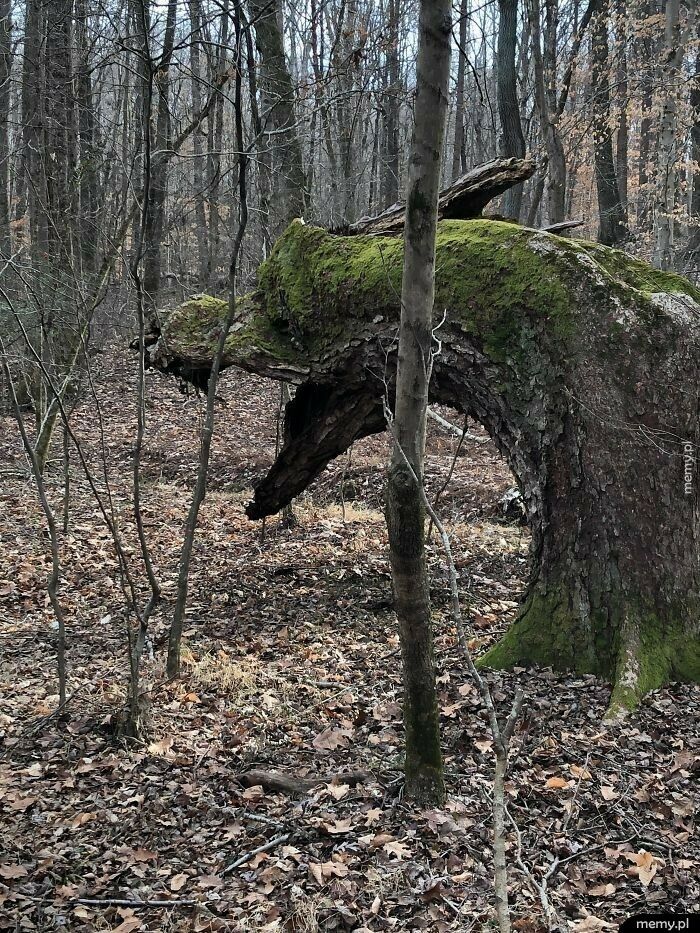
(5, 72)
(405, 508)
(612, 228)
(512, 139)
(666, 166)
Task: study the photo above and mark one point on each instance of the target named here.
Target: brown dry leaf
(398, 849)
(334, 870)
(591, 924)
(10, 872)
(82, 912)
(645, 865)
(372, 816)
(22, 803)
(338, 791)
(126, 926)
(338, 826)
(582, 774)
(331, 738)
(191, 698)
(602, 890)
(209, 881)
(83, 818)
(143, 855)
(381, 839)
(162, 747)
(316, 870)
(556, 783)
(177, 882)
(608, 793)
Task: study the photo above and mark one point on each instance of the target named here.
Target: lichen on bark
(584, 366)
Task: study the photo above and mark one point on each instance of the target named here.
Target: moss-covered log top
(318, 291)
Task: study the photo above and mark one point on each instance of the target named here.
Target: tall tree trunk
(33, 130)
(545, 89)
(512, 139)
(390, 185)
(89, 197)
(611, 224)
(154, 226)
(666, 169)
(5, 71)
(645, 174)
(694, 211)
(278, 117)
(458, 151)
(622, 147)
(198, 161)
(405, 510)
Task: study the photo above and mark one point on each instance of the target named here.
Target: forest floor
(291, 664)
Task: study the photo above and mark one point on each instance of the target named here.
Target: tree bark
(611, 216)
(5, 71)
(198, 161)
(391, 169)
(544, 70)
(512, 139)
(405, 512)
(459, 160)
(466, 198)
(582, 364)
(644, 171)
(666, 173)
(278, 118)
(694, 212)
(89, 180)
(622, 142)
(154, 227)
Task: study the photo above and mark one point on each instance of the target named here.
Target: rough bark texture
(5, 66)
(583, 366)
(612, 227)
(666, 165)
(279, 121)
(512, 139)
(459, 155)
(405, 513)
(466, 198)
(693, 251)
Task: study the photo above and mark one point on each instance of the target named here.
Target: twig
(247, 856)
(453, 429)
(127, 902)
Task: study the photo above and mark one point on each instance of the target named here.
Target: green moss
(619, 267)
(323, 287)
(504, 284)
(630, 644)
(653, 651)
(549, 633)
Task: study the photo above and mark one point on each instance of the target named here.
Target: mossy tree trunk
(405, 513)
(583, 365)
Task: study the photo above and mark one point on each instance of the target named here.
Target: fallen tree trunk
(582, 364)
(465, 199)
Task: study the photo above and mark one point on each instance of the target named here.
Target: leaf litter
(291, 666)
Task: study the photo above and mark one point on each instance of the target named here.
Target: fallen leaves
(11, 872)
(645, 865)
(177, 882)
(332, 738)
(556, 783)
